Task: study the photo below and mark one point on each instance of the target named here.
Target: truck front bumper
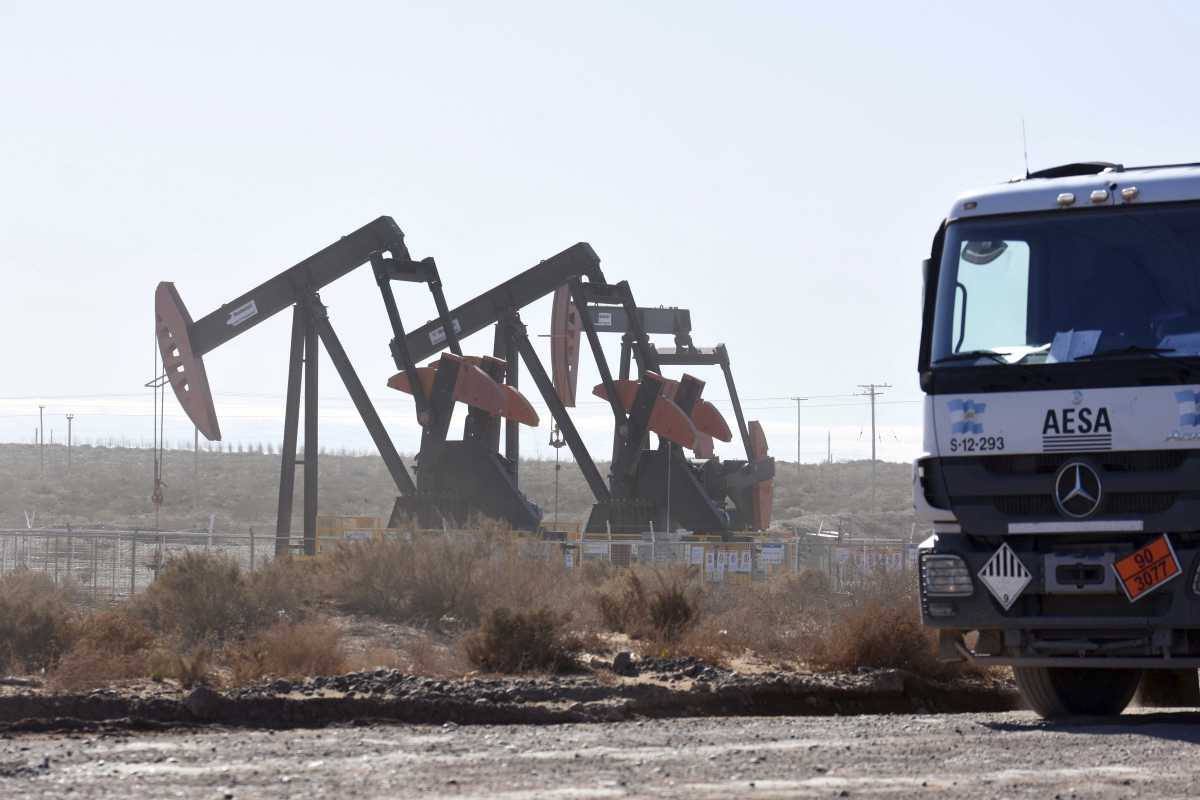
(1051, 624)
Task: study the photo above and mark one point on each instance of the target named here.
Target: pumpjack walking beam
(183, 344)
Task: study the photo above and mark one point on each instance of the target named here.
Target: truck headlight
(945, 576)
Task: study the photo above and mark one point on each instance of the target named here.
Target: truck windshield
(1068, 286)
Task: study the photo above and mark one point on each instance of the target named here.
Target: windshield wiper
(972, 355)
(1131, 350)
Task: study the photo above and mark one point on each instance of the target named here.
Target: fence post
(70, 553)
(133, 564)
(95, 567)
(252, 548)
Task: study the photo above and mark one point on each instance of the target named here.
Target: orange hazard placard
(1143, 571)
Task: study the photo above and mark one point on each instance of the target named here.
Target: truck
(1060, 365)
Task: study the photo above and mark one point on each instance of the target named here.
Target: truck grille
(1029, 505)
(1049, 463)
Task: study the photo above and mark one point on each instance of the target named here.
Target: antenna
(1025, 146)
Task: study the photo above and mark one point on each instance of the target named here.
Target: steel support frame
(515, 333)
(310, 325)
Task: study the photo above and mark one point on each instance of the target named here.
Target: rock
(623, 664)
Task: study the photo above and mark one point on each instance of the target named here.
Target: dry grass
(205, 598)
(190, 669)
(37, 621)
(523, 641)
(288, 650)
(110, 646)
(882, 629)
(204, 617)
(449, 582)
(198, 597)
(658, 605)
(777, 618)
(430, 580)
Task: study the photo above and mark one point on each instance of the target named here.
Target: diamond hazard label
(1005, 576)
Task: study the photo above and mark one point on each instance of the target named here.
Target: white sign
(771, 552)
(438, 334)
(242, 313)
(696, 555)
(1005, 576)
(871, 559)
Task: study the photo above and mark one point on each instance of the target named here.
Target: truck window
(990, 309)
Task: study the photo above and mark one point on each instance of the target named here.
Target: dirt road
(1009, 755)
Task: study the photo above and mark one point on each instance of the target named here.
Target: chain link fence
(107, 565)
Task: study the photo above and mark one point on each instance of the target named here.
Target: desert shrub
(198, 597)
(881, 629)
(190, 668)
(288, 650)
(37, 621)
(111, 645)
(431, 580)
(810, 586)
(661, 611)
(516, 570)
(594, 573)
(776, 617)
(877, 634)
(522, 641)
(283, 588)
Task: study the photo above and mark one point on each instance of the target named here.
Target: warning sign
(1143, 571)
(1005, 576)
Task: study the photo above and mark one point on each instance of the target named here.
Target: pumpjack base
(461, 482)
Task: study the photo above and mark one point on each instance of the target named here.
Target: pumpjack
(457, 479)
(645, 487)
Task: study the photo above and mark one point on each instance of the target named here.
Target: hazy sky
(778, 168)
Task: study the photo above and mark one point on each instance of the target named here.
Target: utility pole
(798, 400)
(70, 417)
(42, 440)
(195, 453)
(873, 390)
(828, 447)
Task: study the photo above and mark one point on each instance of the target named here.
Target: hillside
(112, 486)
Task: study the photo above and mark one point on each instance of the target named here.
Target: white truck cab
(1060, 361)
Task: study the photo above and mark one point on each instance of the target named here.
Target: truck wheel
(1069, 691)
(1169, 688)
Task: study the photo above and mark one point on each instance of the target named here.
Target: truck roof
(1081, 186)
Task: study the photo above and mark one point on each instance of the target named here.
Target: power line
(873, 390)
(798, 400)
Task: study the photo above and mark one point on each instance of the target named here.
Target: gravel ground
(1004, 755)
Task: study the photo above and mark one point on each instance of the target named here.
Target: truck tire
(1070, 691)
(1169, 688)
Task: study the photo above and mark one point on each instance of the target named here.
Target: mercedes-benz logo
(1077, 490)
